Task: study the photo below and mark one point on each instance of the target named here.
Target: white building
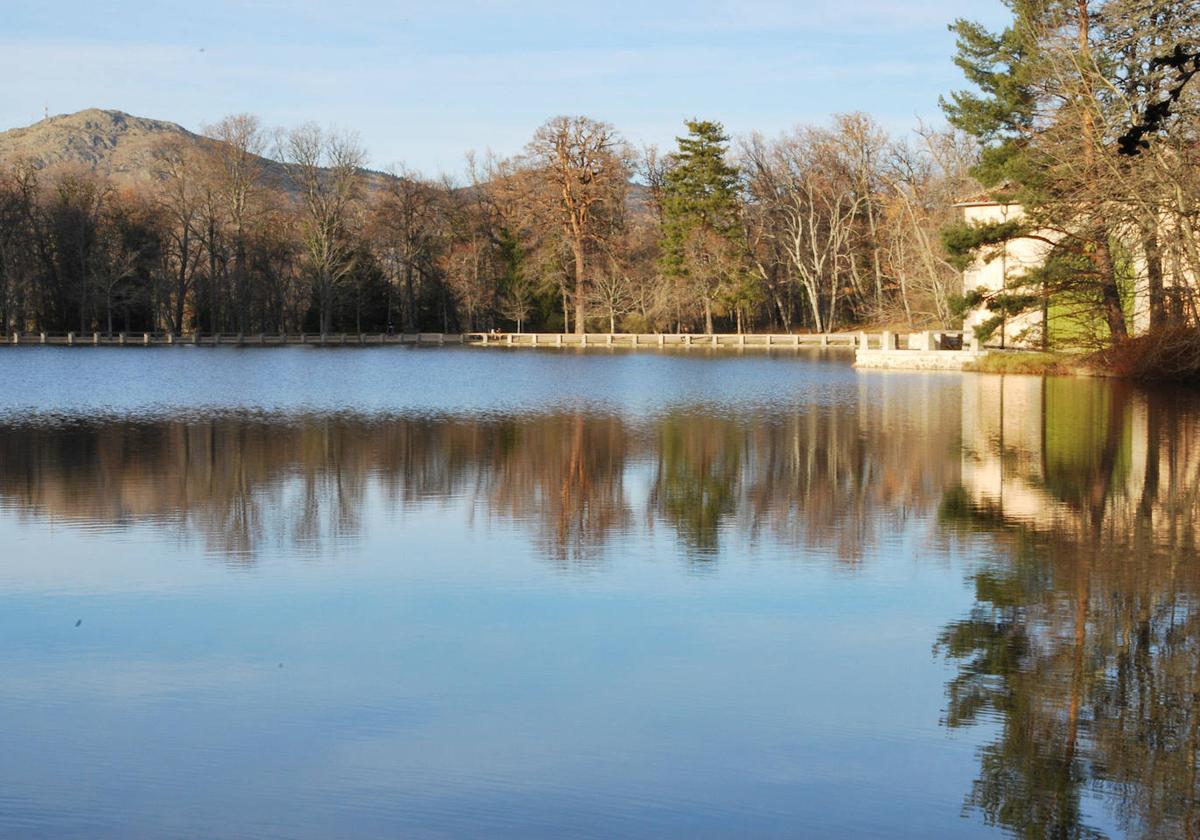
(996, 269)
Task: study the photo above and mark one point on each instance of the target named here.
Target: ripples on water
(461, 592)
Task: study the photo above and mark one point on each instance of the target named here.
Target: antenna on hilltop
(46, 111)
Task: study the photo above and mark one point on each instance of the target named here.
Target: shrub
(1170, 354)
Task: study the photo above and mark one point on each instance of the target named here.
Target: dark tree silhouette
(1187, 65)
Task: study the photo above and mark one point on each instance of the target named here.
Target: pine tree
(702, 235)
(1000, 111)
(1038, 111)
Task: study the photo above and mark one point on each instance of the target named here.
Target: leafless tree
(325, 167)
(239, 149)
(407, 221)
(180, 196)
(584, 168)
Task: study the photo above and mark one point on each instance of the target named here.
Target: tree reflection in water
(1084, 643)
(819, 476)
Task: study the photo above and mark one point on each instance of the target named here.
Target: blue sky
(423, 83)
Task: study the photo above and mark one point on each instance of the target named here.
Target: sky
(423, 83)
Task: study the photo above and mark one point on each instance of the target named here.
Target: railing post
(121, 339)
(95, 339)
(558, 339)
(70, 339)
(43, 338)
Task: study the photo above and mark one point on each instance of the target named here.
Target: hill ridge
(109, 141)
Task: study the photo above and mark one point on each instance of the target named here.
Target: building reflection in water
(1083, 647)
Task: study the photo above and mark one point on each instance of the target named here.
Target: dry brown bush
(1170, 354)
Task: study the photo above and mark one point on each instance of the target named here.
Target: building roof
(987, 198)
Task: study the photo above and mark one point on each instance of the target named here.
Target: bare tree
(179, 203)
(240, 168)
(814, 200)
(407, 221)
(584, 168)
(611, 292)
(326, 168)
(516, 302)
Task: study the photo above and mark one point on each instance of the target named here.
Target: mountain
(119, 145)
(110, 142)
(122, 146)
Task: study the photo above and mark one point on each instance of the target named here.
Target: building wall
(996, 268)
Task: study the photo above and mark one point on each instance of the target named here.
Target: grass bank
(1170, 355)
(1036, 364)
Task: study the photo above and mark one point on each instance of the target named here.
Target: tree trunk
(410, 301)
(180, 286)
(324, 302)
(1114, 314)
(240, 281)
(213, 323)
(579, 289)
(1101, 256)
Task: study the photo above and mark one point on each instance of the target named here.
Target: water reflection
(1075, 502)
(1083, 647)
(821, 475)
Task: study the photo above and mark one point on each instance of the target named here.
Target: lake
(463, 592)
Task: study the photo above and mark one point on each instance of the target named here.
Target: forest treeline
(1085, 112)
(253, 230)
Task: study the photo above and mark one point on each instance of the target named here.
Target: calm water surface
(385, 592)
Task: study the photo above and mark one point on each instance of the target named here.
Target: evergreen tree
(1038, 110)
(1000, 111)
(702, 237)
